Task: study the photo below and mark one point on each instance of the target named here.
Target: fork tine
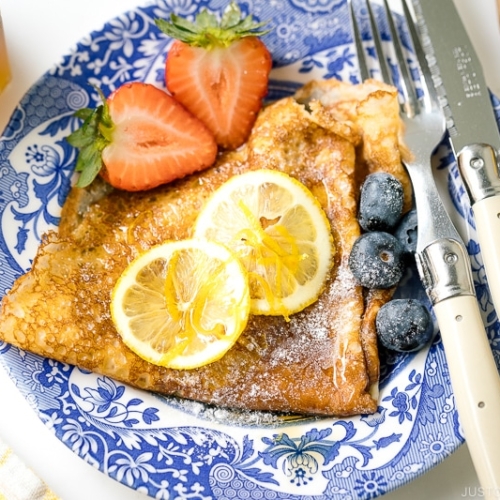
(410, 103)
(430, 94)
(377, 40)
(358, 44)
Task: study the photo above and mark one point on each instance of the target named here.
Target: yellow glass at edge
(4, 60)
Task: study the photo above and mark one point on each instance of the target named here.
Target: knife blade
(471, 122)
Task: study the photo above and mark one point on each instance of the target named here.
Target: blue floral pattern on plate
(169, 448)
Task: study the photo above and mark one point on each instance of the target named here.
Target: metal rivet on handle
(450, 258)
(477, 162)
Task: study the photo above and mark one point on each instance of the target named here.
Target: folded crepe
(323, 361)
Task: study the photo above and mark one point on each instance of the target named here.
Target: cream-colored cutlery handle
(487, 217)
(476, 384)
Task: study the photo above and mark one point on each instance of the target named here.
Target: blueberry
(406, 232)
(404, 325)
(381, 202)
(376, 260)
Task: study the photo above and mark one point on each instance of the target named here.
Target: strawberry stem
(207, 32)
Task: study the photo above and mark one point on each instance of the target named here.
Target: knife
(471, 122)
(475, 139)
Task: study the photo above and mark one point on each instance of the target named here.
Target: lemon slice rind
(146, 318)
(294, 222)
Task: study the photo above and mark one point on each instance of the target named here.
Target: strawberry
(139, 138)
(218, 71)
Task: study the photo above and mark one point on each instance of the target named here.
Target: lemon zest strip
(279, 258)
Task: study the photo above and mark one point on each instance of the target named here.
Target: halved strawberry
(218, 71)
(140, 138)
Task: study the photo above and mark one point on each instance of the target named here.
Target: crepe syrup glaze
(324, 361)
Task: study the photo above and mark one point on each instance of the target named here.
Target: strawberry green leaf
(92, 166)
(84, 113)
(174, 30)
(205, 20)
(231, 16)
(79, 139)
(208, 32)
(91, 138)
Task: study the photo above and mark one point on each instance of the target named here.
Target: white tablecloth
(39, 33)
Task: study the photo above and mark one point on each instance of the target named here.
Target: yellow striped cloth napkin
(17, 481)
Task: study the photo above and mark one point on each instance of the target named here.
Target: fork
(442, 259)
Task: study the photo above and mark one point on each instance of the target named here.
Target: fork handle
(487, 217)
(476, 384)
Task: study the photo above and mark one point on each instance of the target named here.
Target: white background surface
(39, 33)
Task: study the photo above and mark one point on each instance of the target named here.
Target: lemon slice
(182, 304)
(281, 234)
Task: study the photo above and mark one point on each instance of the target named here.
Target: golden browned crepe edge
(368, 344)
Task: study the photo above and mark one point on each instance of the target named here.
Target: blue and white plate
(169, 448)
